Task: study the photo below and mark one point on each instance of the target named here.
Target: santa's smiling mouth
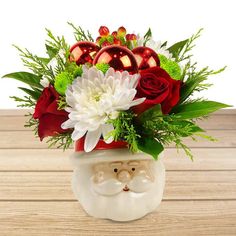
(126, 188)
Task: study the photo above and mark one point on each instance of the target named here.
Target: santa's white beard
(117, 204)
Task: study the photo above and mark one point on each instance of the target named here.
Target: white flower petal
(137, 101)
(76, 135)
(106, 129)
(110, 72)
(68, 124)
(91, 140)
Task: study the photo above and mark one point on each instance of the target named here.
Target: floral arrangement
(122, 87)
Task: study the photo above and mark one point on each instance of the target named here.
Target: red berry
(103, 31)
(133, 37)
(106, 43)
(117, 42)
(128, 37)
(121, 31)
(114, 33)
(98, 39)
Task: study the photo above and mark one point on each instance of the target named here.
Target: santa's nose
(124, 176)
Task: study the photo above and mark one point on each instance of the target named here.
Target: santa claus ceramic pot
(122, 99)
(112, 183)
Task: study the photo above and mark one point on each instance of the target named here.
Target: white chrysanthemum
(94, 98)
(155, 45)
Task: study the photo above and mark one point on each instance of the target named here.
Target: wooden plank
(35, 159)
(219, 122)
(57, 186)
(26, 140)
(14, 112)
(67, 218)
(57, 160)
(8, 123)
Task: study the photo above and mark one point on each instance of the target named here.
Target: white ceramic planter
(116, 184)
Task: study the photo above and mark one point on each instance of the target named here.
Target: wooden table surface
(36, 196)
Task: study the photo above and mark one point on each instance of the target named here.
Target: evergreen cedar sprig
(63, 141)
(26, 101)
(189, 45)
(148, 132)
(32, 123)
(80, 34)
(124, 129)
(34, 63)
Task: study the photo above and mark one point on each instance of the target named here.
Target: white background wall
(22, 22)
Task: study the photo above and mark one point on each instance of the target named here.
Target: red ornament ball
(118, 57)
(83, 52)
(146, 57)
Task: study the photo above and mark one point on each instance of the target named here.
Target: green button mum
(171, 67)
(62, 81)
(102, 67)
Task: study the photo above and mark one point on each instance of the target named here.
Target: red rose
(50, 118)
(159, 88)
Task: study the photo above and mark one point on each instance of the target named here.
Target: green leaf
(189, 87)
(151, 147)
(177, 48)
(164, 44)
(197, 109)
(151, 113)
(52, 52)
(35, 94)
(148, 34)
(26, 77)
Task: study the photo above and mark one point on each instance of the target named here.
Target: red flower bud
(103, 31)
(121, 31)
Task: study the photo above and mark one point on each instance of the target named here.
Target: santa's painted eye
(115, 170)
(133, 169)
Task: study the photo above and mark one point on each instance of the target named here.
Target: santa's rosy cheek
(99, 177)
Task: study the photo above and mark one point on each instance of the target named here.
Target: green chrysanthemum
(171, 67)
(74, 69)
(62, 81)
(78, 71)
(102, 67)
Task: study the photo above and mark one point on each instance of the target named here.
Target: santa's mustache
(138, 184)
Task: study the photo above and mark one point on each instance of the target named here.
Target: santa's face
(112, 178)
(120, 190)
